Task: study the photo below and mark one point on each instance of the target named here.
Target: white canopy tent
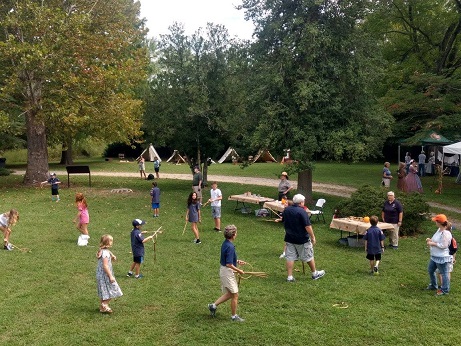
(455, 149)
(149, 154)
(229, 155)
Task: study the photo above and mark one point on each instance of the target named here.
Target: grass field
(49, 295)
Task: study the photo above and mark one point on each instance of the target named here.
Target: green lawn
(49, 295)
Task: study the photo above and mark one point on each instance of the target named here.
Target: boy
(54, 182)
(374, 244)
(229, 285)
(137, 247)
(216, 197)
(155, 194)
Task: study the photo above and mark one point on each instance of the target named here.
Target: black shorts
(157, 169)
(138, 259)
(372, 257)
(54, 192)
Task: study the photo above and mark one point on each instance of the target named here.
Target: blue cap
(138, 222)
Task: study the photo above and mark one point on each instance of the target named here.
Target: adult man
(299, 238)
(197, 183)
(422, 164)
(392, 213)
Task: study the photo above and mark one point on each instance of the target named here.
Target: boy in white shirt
(216, 197)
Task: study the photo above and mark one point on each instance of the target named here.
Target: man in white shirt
(421, 164)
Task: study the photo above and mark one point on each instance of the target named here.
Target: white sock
(290, 277)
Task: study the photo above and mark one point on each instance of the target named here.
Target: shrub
(368, 200)
(4, 172)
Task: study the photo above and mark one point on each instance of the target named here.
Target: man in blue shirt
(299, 238)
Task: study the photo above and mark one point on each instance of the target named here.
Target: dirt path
(328, 189)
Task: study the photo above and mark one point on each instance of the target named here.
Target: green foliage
(4, 171)
(368, 200)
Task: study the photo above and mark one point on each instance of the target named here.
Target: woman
(407, 161)
(284, 186)
(440, 256)
(387, 176)
(412, 180)
(402, 174)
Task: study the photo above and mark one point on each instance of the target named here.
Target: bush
(368, 200)
(4, 172)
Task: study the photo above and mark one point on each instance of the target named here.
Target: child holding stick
(83, 219)
(229, 284)
(7, 220)
(137, 248)
(193, 215)
(374, 244)
(108, 287)
(54, 182)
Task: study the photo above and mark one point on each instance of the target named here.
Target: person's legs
(137, 268)
(394, 236)
(224, 298)
(195, 229)
(234, 303)
(443, 269)
(431, 267)
(83, 228)
(289, 266)
(311, 265)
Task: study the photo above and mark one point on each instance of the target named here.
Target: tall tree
(72, 69)
(315, 71)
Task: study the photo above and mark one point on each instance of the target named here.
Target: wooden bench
(77, 170)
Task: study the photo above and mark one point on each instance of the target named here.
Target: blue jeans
(443, 269)
(422, 169)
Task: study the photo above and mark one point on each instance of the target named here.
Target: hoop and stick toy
(248, 274)
(22, 249)
(154, 240)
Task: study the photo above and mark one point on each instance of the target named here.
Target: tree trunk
(305, 185)
(66, 154)
(37, 150)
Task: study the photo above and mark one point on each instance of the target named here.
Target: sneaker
(291, 280)
(212, 310)
(393, 247)
(140, 276)
(440, 293)
(318, 274)
(8, 247)
(375, 270)
(282, 255)
(216, 229)
(197, 241)
(237, 318)
(129, 274)
(431, 288)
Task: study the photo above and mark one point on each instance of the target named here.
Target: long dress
(412, 180)
(106, 289)
(401, 183)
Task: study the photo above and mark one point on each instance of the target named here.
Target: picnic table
(355, 226)
(248, 198)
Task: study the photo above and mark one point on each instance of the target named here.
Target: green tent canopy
(429, 137)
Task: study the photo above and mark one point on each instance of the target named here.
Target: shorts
(138, 259)
(54, 192)
(303, 252)
(376, 257)
(228, 280)
(156, 169)
(198, 191)
(386, 182)
(155, 205)
(216, 212)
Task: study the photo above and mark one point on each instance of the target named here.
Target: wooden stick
(20, 249)
(205, 204)
(185, 225)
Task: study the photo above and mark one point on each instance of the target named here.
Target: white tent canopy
(264, 156)
(149, 154)
(452, 148)
(229, 155)
(176, 158)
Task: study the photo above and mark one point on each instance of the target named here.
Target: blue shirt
(54, 183)
(295, 220)
(155, 193)
(193, 212)
(374, 235)
(228, 254)
(137, 246)
(392, 211)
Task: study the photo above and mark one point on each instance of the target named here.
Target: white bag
(83, 240)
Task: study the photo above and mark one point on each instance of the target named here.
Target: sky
(160, 14)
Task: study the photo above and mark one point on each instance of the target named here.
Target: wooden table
(277, 206)
(252, 199)
(357, 227)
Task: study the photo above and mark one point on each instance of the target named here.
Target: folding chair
(318, 209)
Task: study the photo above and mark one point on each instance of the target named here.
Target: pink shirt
(84, 215)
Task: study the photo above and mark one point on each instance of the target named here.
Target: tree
(315, 81)
(72, 70)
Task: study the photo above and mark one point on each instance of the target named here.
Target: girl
(142, 167)
(83, 218)
(108, 288)
(7, 220)
(193, 215)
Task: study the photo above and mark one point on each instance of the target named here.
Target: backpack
(453, 247)
(150, 177)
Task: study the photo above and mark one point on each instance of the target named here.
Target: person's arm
(382, 216)
(366, 242)
(311, 234)
(234, 268)
(105, 267)
(400, 218)
(147, 238)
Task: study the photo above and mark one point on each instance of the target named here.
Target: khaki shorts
(228, 280)
(303, 252)
(386, 182)
(198, 191)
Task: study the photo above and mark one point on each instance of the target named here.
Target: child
(108, 288)
(7, 220)
(156, 166)
(453, 260)
(142, 167)
(216, 197)
(54, 182)
(155, 193)
(374, 244)
(83, 219)
(193, 215)
(137, 248)
(229, 264)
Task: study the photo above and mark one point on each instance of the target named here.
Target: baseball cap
(441, 218)
(285, 174)
(53, 174)
(138, 222)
